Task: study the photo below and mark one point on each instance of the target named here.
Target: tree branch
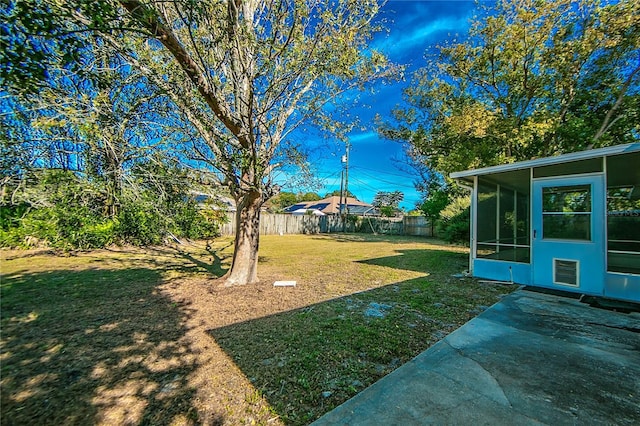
(149, 19)
(607, 123)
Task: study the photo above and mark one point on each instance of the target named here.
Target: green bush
(10, 215)
(190, 221)
(96, 235)
(12, 237)
(61, 210)
(58, 227)
(454, 222)
(11, 233)
(76, 227)
(35, 228)
(139, 226)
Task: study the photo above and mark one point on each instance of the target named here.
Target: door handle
(534, 233)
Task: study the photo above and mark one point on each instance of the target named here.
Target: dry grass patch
(131, 336)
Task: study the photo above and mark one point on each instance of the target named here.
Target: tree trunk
(244, 268)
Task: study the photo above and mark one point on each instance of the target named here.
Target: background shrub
(454, 222)
(61, 210)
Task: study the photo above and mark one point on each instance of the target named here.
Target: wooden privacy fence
(305, 224)
(417, 225)
(278, 224)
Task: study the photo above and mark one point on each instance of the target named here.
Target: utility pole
(346, 179)
(345, 207)
(341, 206)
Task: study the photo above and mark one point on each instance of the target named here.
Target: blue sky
(413, 28)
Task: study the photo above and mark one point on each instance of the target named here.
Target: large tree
(533, 78)
(245, 74)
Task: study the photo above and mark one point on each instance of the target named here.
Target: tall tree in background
(387, 202)
(97, 125)
(283, 200)
(534, 78)
(244, 73)
(109, 117)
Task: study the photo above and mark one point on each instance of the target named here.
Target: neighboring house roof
(331, 205)
(225, 203)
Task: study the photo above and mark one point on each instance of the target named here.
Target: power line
(362, 184)
(382, 172)
(396, 184)
(371, 188)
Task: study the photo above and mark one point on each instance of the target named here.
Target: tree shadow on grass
(174, 257)
(94, 346)
(379, 238)
(307, 361)
(215, 267)
(427, 261)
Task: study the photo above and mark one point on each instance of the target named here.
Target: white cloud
(420, 36)
(364, 137)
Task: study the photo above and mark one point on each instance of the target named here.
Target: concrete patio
(532, 358)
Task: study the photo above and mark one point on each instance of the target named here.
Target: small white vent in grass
(566, 272)
(284, 284)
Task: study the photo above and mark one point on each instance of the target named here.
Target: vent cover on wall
(565, 272)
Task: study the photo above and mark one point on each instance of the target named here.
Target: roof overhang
(547, 161)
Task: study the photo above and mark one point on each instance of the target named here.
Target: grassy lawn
(130, 336)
